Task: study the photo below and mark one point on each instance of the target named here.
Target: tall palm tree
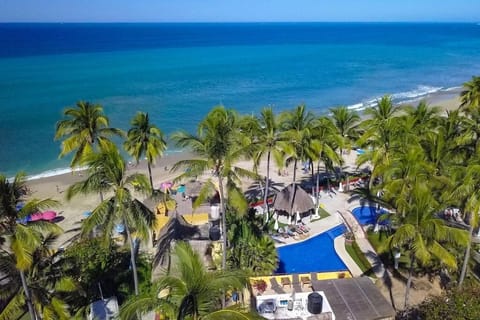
(381, 132)
(218, 145)
(48, 288)
(466, 190)
(326, 141)
(23, 239)
(422, 235)
(121, 207)
(347, 124)
(298, 135)
(84, 126)
(266, 139)
(144, 138)
(470, 96)
(192, 292)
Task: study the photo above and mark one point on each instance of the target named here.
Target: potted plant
(260, 286)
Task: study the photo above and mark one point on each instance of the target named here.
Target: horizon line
(240, 22)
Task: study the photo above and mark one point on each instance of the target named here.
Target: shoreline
(446, 98)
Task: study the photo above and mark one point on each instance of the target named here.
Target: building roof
(355, 299)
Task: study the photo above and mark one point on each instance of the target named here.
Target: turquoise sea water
(177, 72)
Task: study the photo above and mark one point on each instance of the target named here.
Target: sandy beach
(71, 211)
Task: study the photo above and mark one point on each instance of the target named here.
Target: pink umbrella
(49, 215)
(166, 185)
(36, 216)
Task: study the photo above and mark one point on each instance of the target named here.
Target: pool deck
(340, 212)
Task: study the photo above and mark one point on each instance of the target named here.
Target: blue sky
(237, 10)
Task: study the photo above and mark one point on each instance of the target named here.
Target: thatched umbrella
(293, 199)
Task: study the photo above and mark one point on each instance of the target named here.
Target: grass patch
(322, 213)
(359, 258)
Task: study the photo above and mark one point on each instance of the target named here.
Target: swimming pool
(316, 254)
(367, 214)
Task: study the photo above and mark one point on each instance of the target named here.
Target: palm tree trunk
(267, 180)
(467, 256)
(150, 175)
(132, 258)
(224, 229)
(26, 291)
(409, 281)
(292, 197)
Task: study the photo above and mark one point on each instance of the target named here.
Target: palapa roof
(302, 202)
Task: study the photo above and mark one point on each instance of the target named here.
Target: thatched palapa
(302, 202)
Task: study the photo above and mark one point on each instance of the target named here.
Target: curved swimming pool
(316, 254)
(367, 214)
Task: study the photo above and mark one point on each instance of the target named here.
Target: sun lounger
(286, 282)
(305, 280)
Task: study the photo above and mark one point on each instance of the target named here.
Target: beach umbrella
(49, 215)
(120, 228)
(302, 202)
(36, 216)
(166, 185)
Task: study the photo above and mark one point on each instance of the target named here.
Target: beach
(71, 212)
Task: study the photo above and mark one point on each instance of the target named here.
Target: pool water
(367, 214)
(316, 254)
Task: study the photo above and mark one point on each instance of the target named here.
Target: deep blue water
(316, 254)
(177, 72)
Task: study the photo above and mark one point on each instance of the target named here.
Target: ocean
(178, 72)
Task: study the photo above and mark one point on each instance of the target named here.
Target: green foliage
(188, 292)
(458, 303)
(95, 265)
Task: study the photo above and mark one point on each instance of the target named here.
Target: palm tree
(422, 235)
(251, 249)
(85, 125)
(266, 139)
(23, 239)
(326, 141)
(347, 124)
(191, 292)
(144, 138)
(470, 96)
(218, 144)
(121, 207)
(47, 286)
(466, 191)
(298, 135)
(381, 132)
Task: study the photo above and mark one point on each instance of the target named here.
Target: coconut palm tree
(191, 292)
(23, 239)
(251, 250)
(326, 141)
(470, 96)
(466, 191)
(84, 126)
(381, 132)
(347, 124)
(218, 145)
(423, 236)
(144, 138)
(266, 138)
(121, 207)
(297, 138)
(48, 288)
